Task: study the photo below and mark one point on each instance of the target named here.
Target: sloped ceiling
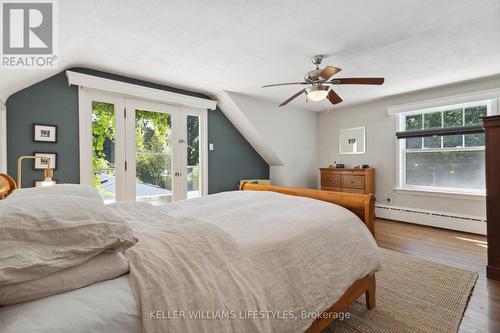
(251, 132)
(238, 45)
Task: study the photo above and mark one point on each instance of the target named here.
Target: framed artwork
(352, 141)
(44, 133)
(42, 164)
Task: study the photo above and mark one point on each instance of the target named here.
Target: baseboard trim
(493, 272)
(472, 224)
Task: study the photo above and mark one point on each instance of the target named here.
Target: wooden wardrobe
(492, 160)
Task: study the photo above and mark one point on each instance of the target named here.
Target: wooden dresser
(492, 164)
(348, 180)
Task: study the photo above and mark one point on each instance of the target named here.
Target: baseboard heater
(473, 224)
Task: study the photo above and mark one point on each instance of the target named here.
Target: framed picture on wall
(44, 133)
(41, 164)
(352, 141)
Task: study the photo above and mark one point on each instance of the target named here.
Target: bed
(312, 250)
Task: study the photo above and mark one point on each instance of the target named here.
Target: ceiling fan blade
(293, 97)
(358, 80)
(283, 84)
(333, 97)
(328, 72)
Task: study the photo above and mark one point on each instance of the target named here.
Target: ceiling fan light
(317, 93)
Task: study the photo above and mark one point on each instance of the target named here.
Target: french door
(141, 150)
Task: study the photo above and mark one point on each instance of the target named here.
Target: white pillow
(103, 267)
(43, 235)
(82, 191)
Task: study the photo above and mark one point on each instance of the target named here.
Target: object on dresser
(340, 166)
(365, 166)
(348, 180)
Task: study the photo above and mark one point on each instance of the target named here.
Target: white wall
(287, 131)
(380, 149)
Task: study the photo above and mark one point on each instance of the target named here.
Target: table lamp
(48, 173)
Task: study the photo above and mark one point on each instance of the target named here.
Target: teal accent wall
(50, 102)
(53, 102)
(233, 158)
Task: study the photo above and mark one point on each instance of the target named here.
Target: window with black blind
(443, 148)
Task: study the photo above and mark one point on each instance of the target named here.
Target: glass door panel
(153, 141)
(107, 133)
(103, 150)
(102, 143)
(133, 149)
(152, 151)
(193, 156)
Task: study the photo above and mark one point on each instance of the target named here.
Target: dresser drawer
(356, 172)
(353, 181)
(331, 188)
(352, 190)
(330, 179)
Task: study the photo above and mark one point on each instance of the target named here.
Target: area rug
(413, 295)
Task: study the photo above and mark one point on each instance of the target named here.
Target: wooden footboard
(363, 205)
(362, 286)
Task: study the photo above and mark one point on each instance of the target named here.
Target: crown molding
(445, 101)
(134, 90)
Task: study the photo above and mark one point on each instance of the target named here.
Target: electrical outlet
(211, 146)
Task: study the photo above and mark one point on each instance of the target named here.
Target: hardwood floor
(452, 248)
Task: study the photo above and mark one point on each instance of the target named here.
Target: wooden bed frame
(363, 206)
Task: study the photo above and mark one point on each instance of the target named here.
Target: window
(103, 149)
(443, 163)
(149, 151)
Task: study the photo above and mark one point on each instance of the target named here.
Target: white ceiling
(238, 45)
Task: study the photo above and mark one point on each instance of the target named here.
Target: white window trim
(442, 192)
(3, 137)
(137, 91)
(490, 97)
(119, 91)
(492, 94)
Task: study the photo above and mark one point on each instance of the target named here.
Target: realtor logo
(28, 34)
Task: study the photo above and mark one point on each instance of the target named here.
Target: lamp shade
(317, 93)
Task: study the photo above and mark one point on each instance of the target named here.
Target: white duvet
(314, 251)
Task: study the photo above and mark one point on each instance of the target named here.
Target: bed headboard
(363, 205)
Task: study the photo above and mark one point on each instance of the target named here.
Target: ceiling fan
(321, 80)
